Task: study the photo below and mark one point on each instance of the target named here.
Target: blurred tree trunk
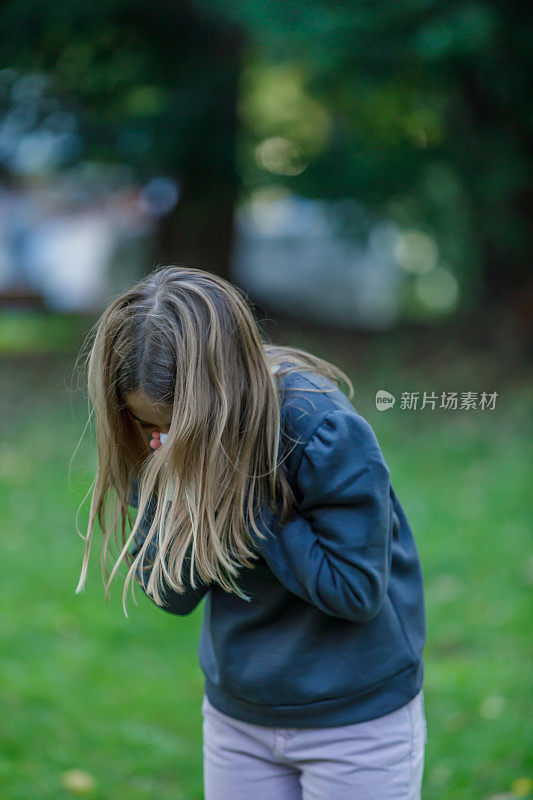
(507, 286)
(508, 281)
(198, 232)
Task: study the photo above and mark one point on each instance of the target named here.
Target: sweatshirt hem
(383, 698)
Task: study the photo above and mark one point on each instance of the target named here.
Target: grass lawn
(84, 688)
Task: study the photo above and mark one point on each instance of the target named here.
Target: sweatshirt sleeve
(174, 602)
(336, 552)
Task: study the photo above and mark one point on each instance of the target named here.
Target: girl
(271, 499)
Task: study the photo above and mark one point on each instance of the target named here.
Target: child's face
(151, 419)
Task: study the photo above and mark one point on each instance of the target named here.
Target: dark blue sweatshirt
(335, 630)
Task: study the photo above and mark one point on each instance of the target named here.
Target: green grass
(31, 332)
(82, 687)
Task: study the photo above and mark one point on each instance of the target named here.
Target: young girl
(270, 498)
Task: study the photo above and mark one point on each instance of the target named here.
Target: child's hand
(156, 441)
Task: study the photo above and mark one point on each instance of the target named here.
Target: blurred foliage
(33, 333)
(420, 109)
(152, 86)
(132, 73)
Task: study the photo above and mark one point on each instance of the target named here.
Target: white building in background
(68, 259)
(290, 254)
(287, 253)
(74, 254)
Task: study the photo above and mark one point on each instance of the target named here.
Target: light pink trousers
(381, 759)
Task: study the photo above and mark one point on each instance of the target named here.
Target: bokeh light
(280, 156)
(416, 251)
(438, 289)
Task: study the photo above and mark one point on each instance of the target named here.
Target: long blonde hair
(189, 341)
